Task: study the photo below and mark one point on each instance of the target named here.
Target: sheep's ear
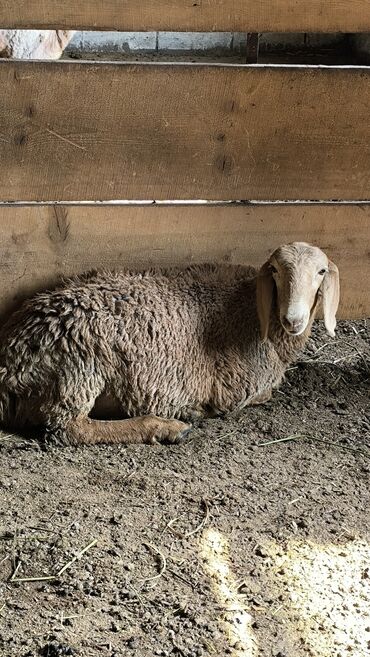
(330, 298)
(265, 289)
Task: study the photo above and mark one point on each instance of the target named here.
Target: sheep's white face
(292, 277)
(298, 270)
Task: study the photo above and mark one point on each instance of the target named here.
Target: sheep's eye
(322, 272)
(273, 269)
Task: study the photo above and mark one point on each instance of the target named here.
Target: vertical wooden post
(253, 39)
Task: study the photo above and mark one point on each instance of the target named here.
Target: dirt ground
(233, 544)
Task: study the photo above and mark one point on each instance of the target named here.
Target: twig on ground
(84, 615)
(181, 578)
(328, 442)
(337, 380)
(353, 346)
(45, 578)
(226, 435)
(197, 529)
(38, 578)
(131, 473)
(77, 556)
(338, 360)
(204, 521)
(154, 549)
(169, 526)
(14, 575)
(282, 440)
(317, 440)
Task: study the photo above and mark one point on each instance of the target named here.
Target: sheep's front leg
(147, 429)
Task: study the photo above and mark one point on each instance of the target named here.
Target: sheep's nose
(293, 326)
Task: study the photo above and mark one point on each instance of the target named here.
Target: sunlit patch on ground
(329, 591)
(322, 592)
(234, 618)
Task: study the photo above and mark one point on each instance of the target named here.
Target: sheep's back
(141, 335)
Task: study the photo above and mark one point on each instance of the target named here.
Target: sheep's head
(296, 275)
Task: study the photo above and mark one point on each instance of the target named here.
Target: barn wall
(101, 132)
(39, 245)
(199, 16)
(162, 131)
(110, 42)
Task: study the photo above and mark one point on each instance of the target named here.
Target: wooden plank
(72, 131)
(38, 245)
(190, 15)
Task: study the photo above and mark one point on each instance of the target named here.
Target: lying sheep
(166, 345)
(34, 44)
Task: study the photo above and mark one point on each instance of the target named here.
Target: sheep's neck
(286, 346)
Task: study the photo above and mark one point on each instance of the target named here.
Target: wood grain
(38, 245)
(190, 15)
(72, 131)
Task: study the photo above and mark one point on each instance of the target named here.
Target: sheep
(34, 44)
(166, 345)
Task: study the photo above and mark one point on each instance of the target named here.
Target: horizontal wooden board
(190, 15)
(72, 131)
(38, 245)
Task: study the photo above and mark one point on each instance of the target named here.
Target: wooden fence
(72, 132)
(189, 15)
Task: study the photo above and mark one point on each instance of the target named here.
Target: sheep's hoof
(169, 431)
(183, 436)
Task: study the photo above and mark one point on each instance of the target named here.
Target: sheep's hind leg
(147, 429)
